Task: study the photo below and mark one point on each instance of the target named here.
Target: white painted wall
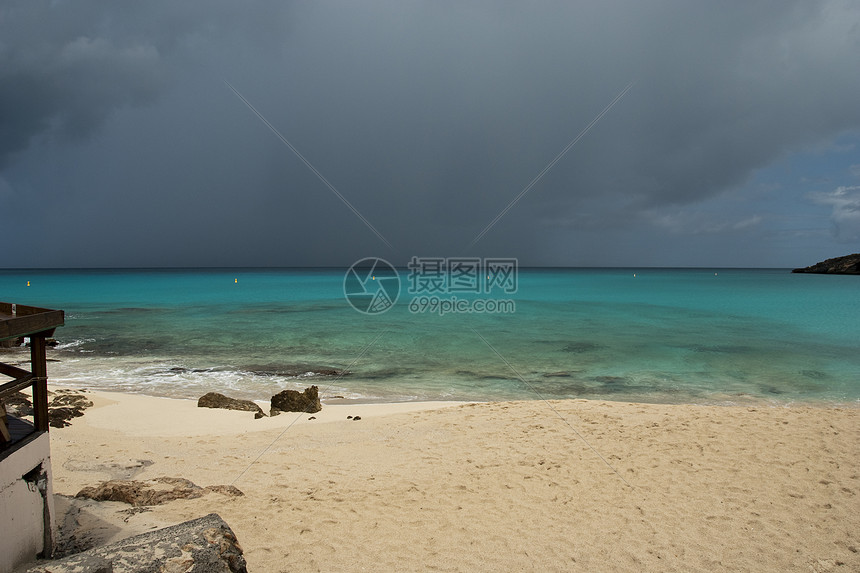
(21, 504)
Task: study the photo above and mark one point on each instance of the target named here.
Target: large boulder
(203, 545)
(295, 401)
(216, 400)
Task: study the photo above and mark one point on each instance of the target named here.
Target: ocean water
(650, 335)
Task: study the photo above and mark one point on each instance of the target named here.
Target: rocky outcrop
(65, 405)
(18, 404)
(216, 400)
(152, 492)
(203, 545)
(294, 370)
(295, 401)
(847, 265)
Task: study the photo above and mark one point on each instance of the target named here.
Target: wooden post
(40, 386)
(4, 431)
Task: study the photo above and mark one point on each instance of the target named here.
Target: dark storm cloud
(66, 65)
(61, 76)
(430, 117)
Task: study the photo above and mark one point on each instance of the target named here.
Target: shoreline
(725, 400)
(528, 485)
(118, 409)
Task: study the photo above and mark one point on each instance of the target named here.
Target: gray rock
(229, 490)
(80, 563)
(216, 400)
(203, 545)
(294, 401)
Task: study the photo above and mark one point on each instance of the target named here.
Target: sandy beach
(569, 485)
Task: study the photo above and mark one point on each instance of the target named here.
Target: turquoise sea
(649, 335)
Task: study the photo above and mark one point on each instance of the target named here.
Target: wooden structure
(18, 321)
(26, 490)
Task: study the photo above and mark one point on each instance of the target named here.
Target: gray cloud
(430, 117)
(845, 202)
(64, 80)
(65, 66)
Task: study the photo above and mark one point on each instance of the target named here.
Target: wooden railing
(37, 380)
(36, 323)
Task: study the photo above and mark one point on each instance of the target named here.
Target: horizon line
(341, 267)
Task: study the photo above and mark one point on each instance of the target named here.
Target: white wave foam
(73, 344)
(176, 380)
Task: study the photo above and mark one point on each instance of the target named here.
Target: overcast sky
(738, 143)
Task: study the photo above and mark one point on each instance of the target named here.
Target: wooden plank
(4, 431)
(12, 371)
(27, 319)
(25, 325)
(22, 309)
(10, 388)
(40, 384)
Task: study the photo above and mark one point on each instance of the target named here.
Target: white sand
(138, 415)
(487, 487)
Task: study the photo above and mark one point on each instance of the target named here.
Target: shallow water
(663, 335)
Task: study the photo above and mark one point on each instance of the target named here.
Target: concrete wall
(26, 504)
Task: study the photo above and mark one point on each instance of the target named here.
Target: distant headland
(847, 265)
